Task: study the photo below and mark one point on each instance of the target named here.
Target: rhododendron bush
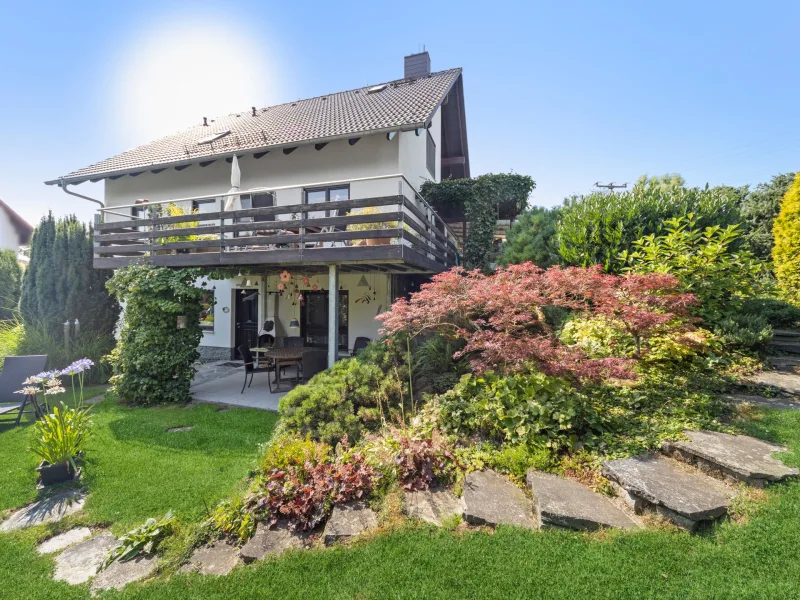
(502, 317)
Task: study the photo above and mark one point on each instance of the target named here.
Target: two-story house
(293, 202)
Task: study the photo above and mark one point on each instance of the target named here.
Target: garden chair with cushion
(314, 361)
(251, 367)
(17, 369)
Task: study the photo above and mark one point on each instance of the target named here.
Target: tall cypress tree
(10, 280)
(61, 284)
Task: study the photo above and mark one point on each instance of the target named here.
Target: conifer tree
(786, 251)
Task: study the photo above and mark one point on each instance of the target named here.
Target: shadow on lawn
(233, 431)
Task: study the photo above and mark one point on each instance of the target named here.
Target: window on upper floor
(430, 155)
(327, 194)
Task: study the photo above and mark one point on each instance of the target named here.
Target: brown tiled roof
(24, 230)
(402, 103)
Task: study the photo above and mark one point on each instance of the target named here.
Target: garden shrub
(598, 227)
(355, 394)
(530, 407)
(760, 206)
(532, 238)
(778, 313)
(10, 284)
(743, 330)
(502, 319)
(433, 363)
(704, 261)
(786, 251)
(154, 360)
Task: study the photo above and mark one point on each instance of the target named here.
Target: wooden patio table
(283, 357)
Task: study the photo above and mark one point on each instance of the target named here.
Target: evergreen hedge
(786, 251)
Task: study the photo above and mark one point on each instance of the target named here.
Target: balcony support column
(333, 314)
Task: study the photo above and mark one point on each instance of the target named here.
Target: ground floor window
(314, 319)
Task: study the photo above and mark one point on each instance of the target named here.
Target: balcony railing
(400, 230)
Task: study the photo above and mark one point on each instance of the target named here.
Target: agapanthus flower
(32, 380)
(79, 366)
(28, 391)
(54, 390)
(51, 383)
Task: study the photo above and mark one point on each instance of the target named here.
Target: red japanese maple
(502, 320)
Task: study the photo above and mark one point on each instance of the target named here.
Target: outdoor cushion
(17, 369)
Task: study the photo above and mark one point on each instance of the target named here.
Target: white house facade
(302, 221)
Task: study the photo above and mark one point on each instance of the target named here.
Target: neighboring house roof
(400, 104)
(21, 226)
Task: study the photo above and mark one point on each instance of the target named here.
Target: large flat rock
(119, 574)
(271, 542)
(788, 364)
(79, 563)
(660, 482)
(564, 503)
(434, 505)
(744, 458)
(491, 499)
(219, 558)
(49, 510)
(788, 383)
(64, 540)
(348, 520)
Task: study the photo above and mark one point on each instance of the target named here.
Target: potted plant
(59, 437)
(371, 210)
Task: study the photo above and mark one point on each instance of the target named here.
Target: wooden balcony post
(333, 314)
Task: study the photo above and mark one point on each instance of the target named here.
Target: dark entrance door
(314, 319)
(246, 318)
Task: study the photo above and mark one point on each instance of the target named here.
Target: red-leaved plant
(501, 316)
(420, 463)
(303, 494)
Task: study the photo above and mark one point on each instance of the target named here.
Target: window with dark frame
(202, 207)
(326, 194)
(314, 319)
(430, 155)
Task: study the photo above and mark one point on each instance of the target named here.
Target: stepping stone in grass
(491, 499)
(567, 504)
(788, 383)
(349, 520)
(49, 510)
(684, 497)
(79, 563)
(182, 428)
(776, 403)
(271, 542)
(217, 559)
(64, 540)
(742, 457)
(119, 574)
(787, 364)
(433, 505)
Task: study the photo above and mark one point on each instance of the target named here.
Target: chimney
(417, 65)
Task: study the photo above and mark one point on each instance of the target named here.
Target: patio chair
(293, 341)
(360, 344)
(251, 368)
(17, 369)
(314, 361)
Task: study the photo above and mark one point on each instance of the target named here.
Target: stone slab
(348, 520)
(49, 510)
(564, 503)
(740, 456)
(788, 364)
(788, 383)
(64, 540)
(792, 334)
(271, 542)
(119, 574)
(219, 558)
(660, 482)
(491, 499)
(79, 563)
(789, 346)
(775, 403)
(433, 505)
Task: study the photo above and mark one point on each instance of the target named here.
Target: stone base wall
(214, 353)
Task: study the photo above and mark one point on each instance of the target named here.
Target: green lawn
(756, 559)
(136, 469)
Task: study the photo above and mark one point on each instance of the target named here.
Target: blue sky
(568, 92)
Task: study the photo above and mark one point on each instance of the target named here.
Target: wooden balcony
(408, 236)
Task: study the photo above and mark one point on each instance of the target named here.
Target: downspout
(63, 185)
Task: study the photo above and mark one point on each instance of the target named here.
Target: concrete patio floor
(226, 389)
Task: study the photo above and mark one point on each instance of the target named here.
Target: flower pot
(378, 241)
(58, 473)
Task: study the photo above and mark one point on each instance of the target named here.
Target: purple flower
(79, 366)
